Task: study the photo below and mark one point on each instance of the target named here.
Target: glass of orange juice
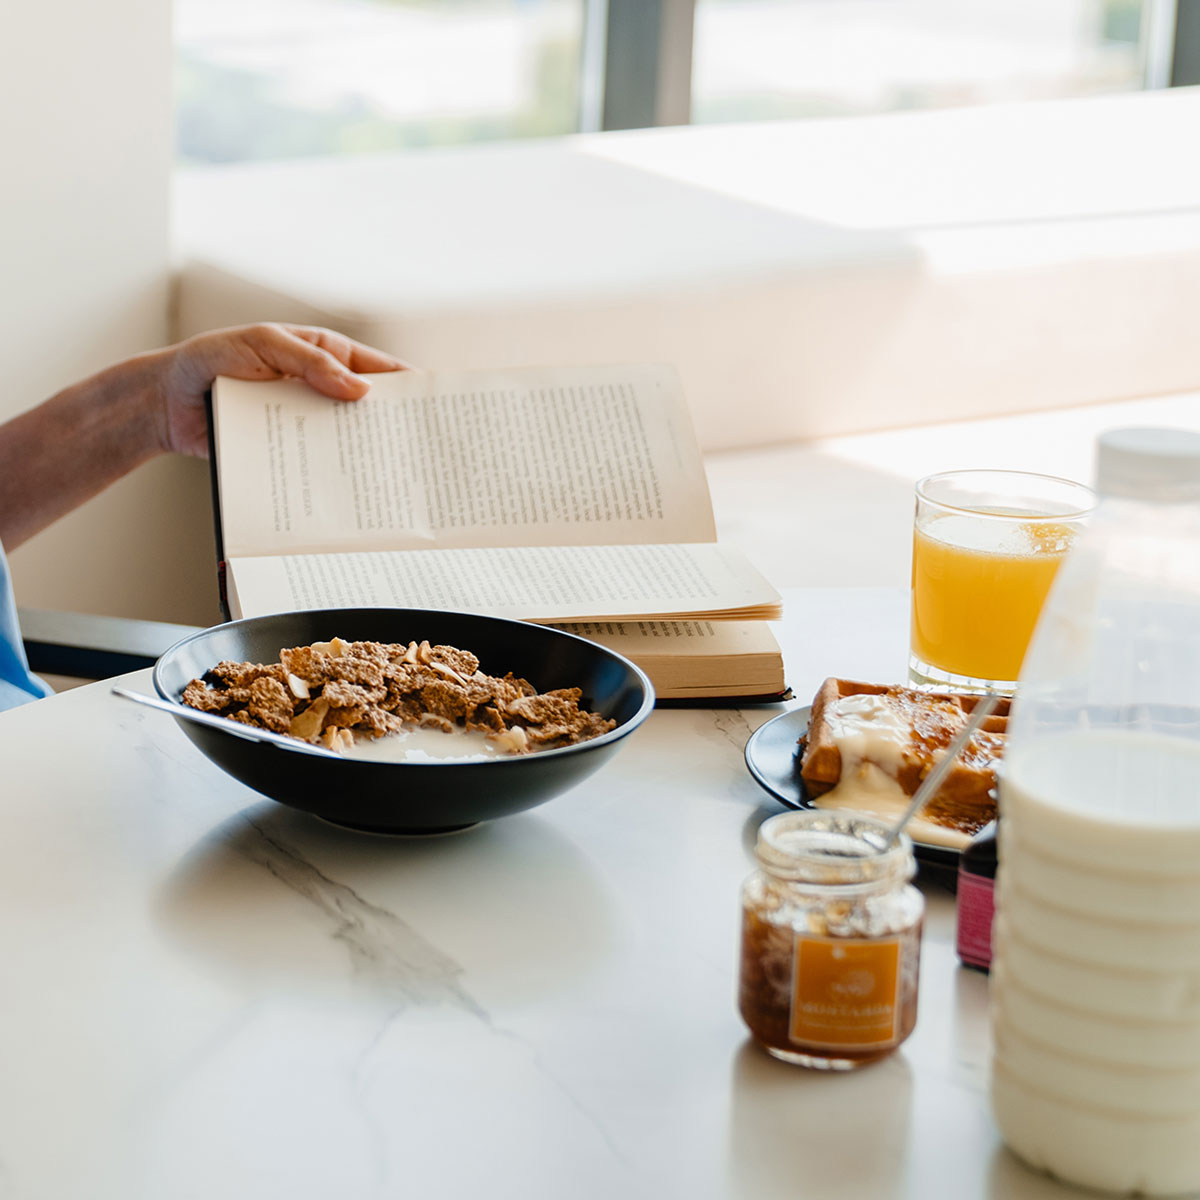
(986, 546)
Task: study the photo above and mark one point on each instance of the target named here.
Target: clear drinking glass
(986, 547)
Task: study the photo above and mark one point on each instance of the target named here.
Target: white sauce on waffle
(871, 791)
(872, 736)
(866, 728)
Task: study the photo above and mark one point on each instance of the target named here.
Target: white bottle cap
(1161, 465)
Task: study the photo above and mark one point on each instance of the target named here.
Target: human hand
(325, 360)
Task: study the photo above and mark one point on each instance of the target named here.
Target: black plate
(421, 797)
(773, 761)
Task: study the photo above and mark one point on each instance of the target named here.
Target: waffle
(908, 729)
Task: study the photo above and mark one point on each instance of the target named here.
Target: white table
(205, 994)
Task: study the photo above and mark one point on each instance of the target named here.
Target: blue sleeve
(17, 684)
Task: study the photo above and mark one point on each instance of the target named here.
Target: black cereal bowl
(404, 797)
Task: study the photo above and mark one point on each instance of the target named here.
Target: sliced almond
(511, 741)
(335, 648)
(298, 687)
(442, 669)
(308, 724)
(337, 739)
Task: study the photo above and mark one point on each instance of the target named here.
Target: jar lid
(833, 847)
(1161, 465)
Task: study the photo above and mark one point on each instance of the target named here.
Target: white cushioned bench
(838, 511)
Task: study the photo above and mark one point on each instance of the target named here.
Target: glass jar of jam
(831, 940)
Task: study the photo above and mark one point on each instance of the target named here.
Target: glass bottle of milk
(1096, 975)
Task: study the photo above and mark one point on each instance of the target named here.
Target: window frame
(637, 58)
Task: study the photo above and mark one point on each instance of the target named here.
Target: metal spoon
(930, 784)
(236, 728)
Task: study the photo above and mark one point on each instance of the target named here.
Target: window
(260, 79)
(789, 58)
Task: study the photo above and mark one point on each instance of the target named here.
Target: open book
(557, 495)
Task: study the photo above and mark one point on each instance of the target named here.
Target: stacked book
(566, 496)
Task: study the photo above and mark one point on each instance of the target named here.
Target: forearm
(66, 450)
(63, 452)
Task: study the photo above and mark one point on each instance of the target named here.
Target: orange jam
(831, 938)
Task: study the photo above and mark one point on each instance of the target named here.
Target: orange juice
(977, 589)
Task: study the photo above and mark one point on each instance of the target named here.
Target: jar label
(976, 902)
(845, 992)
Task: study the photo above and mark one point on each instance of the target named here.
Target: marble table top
(206, 994)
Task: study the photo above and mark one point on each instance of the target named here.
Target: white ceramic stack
(1096, 974)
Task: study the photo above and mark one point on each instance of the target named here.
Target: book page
(695, 658)
(679, 639)
(534, 583)
(534, 457)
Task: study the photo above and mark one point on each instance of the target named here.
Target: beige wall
(85, 93)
